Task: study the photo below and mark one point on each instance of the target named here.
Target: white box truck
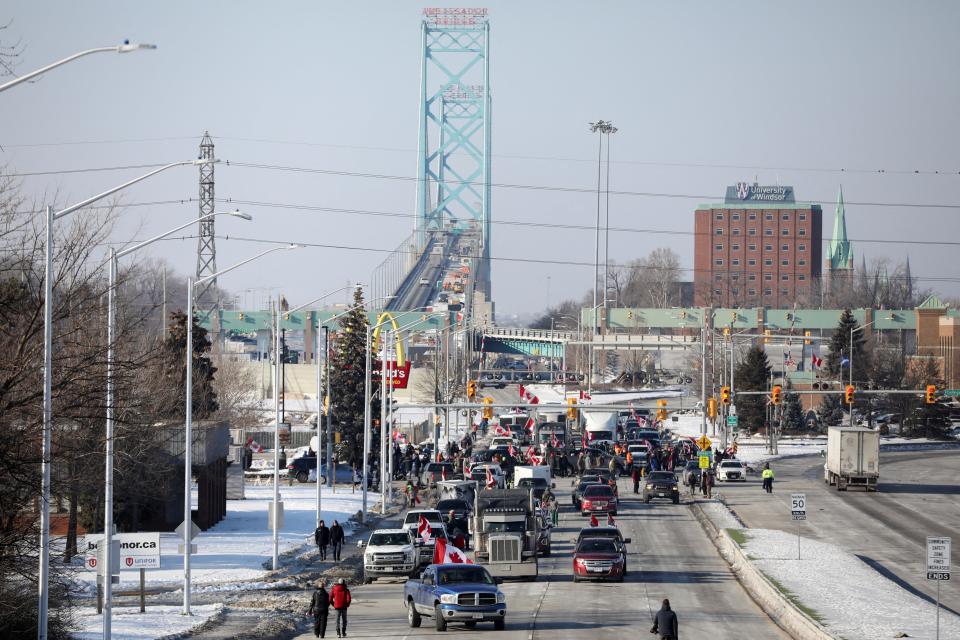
(600, 427)
(853, 458)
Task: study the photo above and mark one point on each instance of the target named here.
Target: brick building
(759, 248)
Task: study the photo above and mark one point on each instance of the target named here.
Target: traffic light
(931, 393)
(726, 331)
(661, 409)
(766, 336)
(571, 409)
(240, 316)
(724, 395)
(471, 389)
(488, 408)
(776, 394)
(848, 394)
(712, 408)
(807, 334)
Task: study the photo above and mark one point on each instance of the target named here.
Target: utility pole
(207, 300)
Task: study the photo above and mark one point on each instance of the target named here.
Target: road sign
(798, 506)
(704, 461)
(131, 551)
(951, 392)
(703, 442)
(732, 421)
(194, 530)
(270, 514)
(938, 558)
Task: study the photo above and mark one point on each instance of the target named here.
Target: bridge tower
(453, 173)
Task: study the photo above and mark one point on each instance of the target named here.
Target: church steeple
(840, 255)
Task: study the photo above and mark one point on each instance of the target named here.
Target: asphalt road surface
(918, 496)
(670, 556)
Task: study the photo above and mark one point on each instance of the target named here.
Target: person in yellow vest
(767, 476)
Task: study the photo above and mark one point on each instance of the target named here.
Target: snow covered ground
(236, 549)
(853, 601)
(127, 623)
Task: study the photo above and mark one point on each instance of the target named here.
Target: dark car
(607, 531)
(585, 482)
(598, 559)
(661, 485)
(301, 467)
(598, 498)
(434, 472)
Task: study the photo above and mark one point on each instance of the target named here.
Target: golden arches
(385, 317)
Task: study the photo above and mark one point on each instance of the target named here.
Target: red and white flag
(585, 396)
(424, 532)
(443, 554)
(815, 361)
(593, 520)
(443, 474)
(523, 392)
(553, 440)
(491, 483)
(533, 399)
(610, 520)
(510, 451)
(253, 445)
(529, 425)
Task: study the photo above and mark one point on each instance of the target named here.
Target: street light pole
(126, 47)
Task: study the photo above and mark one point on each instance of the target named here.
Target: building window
(735, 247)
(752, 231)
(769, 216)
(801, 231)
(750, 263)
(785, 278)
(801, 247)
(736, 231)
(718, 262)
(718, 247)
(768, 232)
(785, 262)
(718, 277)
(768, 247)
(784, 247)
(716, 292)
(752, 247)
(768, 292)
(735, 216)
(752, 216)
(768, 262)
(801, 277)
(784, 231)
(803, 217)
(802, 262)
(735, 277)
(734, 291)
(768, 277)
(735, 262)
(752, 292)
(785, 217)
(784, 292)
(719, 216)
(719, 232)
(752, 277)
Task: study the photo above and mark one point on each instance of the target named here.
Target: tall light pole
(115, 255)
(126, 47)
(51, 217)
(602, 127)
(188, 422)
(276, 398)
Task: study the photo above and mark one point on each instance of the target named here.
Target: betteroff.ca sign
(746, 192)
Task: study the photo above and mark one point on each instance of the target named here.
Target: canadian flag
(510, 451)
(424, 532)
(610, 520)
(253, 445)
(593, 520)
(585, 396)
(443, 554)
(815, 361)
(553, 440)
(529, 425)
(533, 399)
(490, 481)
(523, 392)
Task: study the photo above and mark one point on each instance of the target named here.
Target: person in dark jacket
(322, 537)
(340, 595)
(319, 608)
(665, 622)
(336, 540)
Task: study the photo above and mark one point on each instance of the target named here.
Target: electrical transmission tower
(453, 189)
(208, 299)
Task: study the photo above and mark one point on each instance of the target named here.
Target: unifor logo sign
(743, 190)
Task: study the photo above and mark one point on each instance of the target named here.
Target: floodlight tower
(453, 188)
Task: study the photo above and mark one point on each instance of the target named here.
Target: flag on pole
(424, 532)
(523, 392)
(491, 483)
(815, 362)
(253, 445)
(443, 554)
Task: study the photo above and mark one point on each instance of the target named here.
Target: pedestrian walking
(706, 483)
(340, 595)
(336, 540)
(319, 608)
(322, 537)
(692, 481)
(665, 622)
(283, 458)
(635, 476)
(555, 514)
(767, 476)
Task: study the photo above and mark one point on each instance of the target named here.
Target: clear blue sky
(796, 90)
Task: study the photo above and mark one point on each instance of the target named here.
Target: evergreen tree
(922, 419)
(840, 349)
(173, 370)
(347, 374)
(793, 414)
(753, 374)
(831, 410)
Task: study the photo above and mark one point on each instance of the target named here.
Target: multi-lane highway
(670, 557)
(918, 496)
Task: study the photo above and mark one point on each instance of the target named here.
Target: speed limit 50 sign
(798, 506)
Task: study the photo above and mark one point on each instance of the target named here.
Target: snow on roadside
(129, 624)
(720, 515)
(236, 549)
(854, 600)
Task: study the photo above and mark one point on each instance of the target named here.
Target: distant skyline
(704, 95)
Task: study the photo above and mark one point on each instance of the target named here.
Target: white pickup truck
(389, 553)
